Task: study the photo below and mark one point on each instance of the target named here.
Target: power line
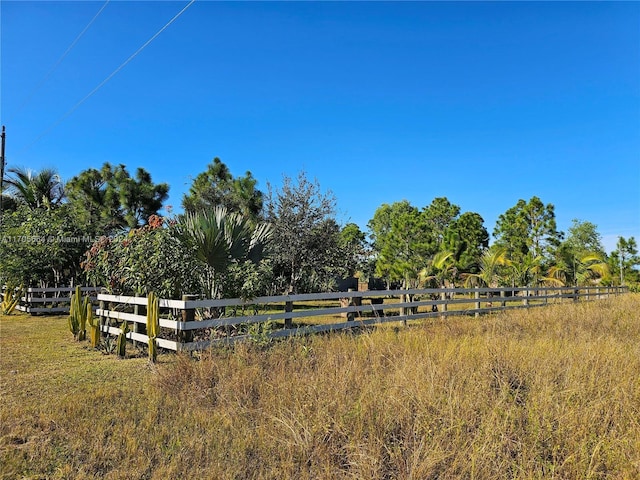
(59, 61)
(111, 75)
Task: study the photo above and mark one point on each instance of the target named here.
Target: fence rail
(51, 300)
(190, 324)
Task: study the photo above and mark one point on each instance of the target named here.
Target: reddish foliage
(155, 221)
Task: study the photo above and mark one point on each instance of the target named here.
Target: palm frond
(220, 238)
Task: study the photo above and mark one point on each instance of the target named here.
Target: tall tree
(467, 238)
(306, 235)
(579, 257)
(139, 197)
(353, 244)
(528, 227)
(583, 237)
(111, 199)
(407, 240)
(95, 201)
(624, 259)
(439, 216)
(217, 187)
(403, 242)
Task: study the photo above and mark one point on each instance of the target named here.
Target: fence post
(188, 315)
(27, 298)
(348, 302)
(288, 308)
(404, 311)
(525, 300)
(136, 325)
(443, 306)
(356, 302)
(477, 297)
(350, 315)
(101, 319)
(407, 310)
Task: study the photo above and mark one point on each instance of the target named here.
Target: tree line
(103, 227)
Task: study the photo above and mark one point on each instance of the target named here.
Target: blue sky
(484, 103)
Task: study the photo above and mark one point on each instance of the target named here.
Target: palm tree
(43, 189)
(441, 267)
(591, 268)
(491, 263)
(219, 239)
(526, 272)
(587, 269)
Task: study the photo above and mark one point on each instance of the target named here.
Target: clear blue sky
(483, 103)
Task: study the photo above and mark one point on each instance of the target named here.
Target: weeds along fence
(190, 324)
(51, 300)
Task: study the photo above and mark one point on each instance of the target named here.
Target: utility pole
(2, 176)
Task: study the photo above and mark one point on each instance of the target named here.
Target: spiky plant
(10, 299)
(74, 313)
(220, 238)
(94, 327)
(153, 325)
(78, 314)
(122, 339)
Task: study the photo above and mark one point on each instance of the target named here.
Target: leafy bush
(150, 258)
(41, 247)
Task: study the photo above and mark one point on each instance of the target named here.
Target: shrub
(150, 258)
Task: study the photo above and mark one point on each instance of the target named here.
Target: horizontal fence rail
(52, 300)
(191, 324)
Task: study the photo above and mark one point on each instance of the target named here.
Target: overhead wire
(58, 62)
(109, 77)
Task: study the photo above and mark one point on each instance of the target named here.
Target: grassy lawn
(551, 392)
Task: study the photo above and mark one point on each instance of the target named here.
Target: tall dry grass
(547, 393)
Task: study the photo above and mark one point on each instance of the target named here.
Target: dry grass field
(552, 392)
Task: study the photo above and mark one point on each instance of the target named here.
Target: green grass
(547, 393)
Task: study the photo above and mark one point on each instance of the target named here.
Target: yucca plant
(153, 325)
(121, 344)
(78, 315)
(107, 345)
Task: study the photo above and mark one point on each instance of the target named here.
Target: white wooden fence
(51, 300)
(190, 324)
